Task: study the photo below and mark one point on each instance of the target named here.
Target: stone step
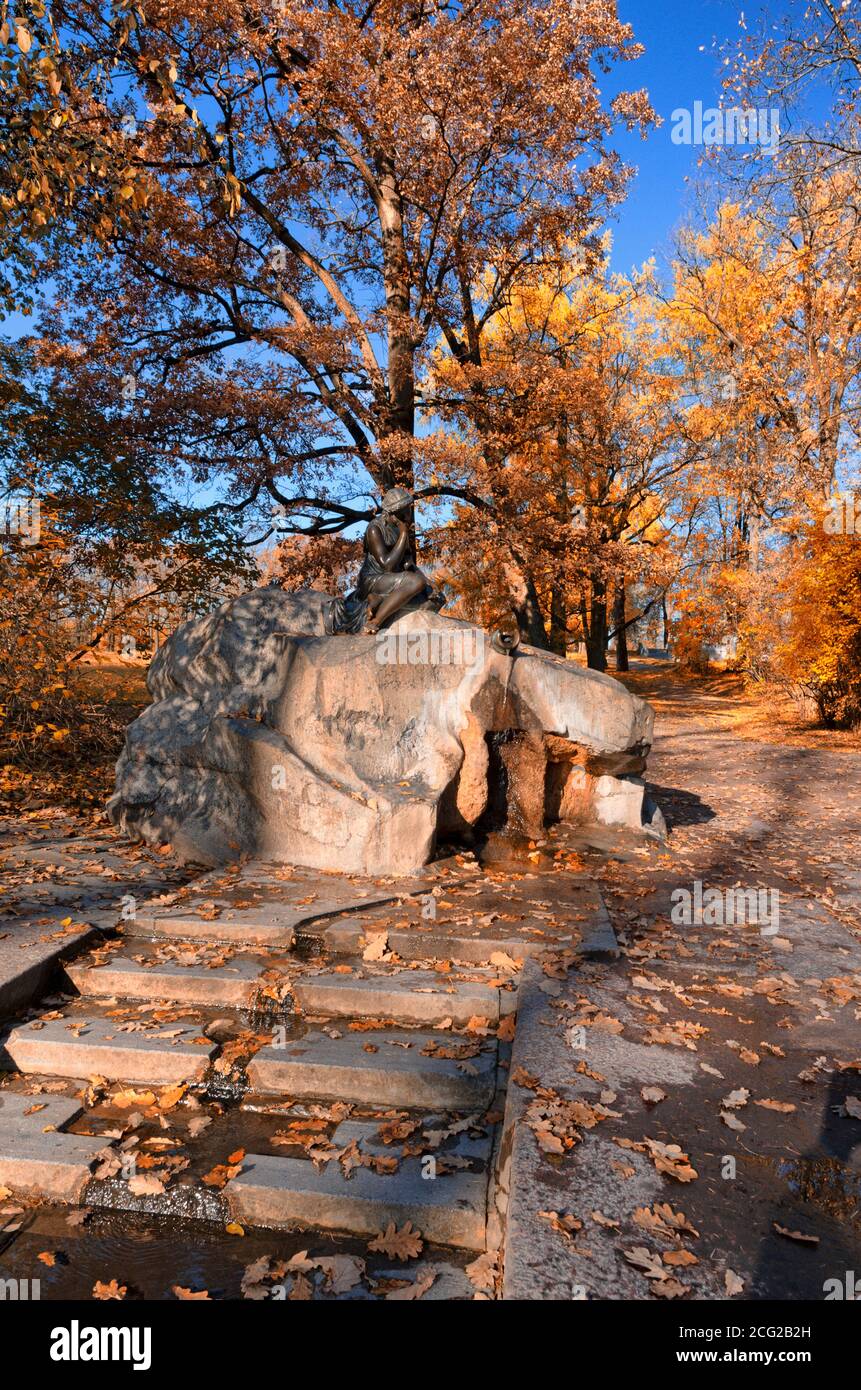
(36, 1159)
(448, 1210)
(29, 957)
(277, 932)
(260, 911)
(100, 1049)
(36, 1113)
(54, 1166)
(234, 984)
(414, 996)
(551, 913)
(395, 1073)
(444, 943)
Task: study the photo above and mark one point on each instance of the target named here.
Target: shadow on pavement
(681, 807)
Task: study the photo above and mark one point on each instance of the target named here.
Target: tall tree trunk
(558, 621)
(400, 417)
(558, 597)
(619, 628)
(401, 346)
(595, 627)
(665, 620)
(525, 606)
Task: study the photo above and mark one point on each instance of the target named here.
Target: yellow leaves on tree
(821, 650)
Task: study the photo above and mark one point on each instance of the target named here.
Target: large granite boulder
(268, 738)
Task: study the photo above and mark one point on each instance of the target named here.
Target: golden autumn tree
(768, 299)
(54, 141)
(820, 646)
(574, 442)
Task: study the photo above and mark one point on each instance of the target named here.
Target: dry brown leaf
(397, 1131)
(398, 1244)
(482, 1272)
(377, 947)
(503, 961)
(109, 1290)
(566, 1225)
(736, 1099)
(221, 1174)
(171, 1097)
(646, 1262)
(800, 1236)
(678, 1259)
(134, 1100)
(343, 1272)
(669, 1158)
(653, 1095)
(412, 1291)
(661, 1220)
(506, 1030)
(146, 1185)
(548, 1142)
(668, 1288)
(601, 1220)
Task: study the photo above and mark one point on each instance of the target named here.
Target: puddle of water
(150, 1255)
(825, 1182)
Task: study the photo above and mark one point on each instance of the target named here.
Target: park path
(751, 1040)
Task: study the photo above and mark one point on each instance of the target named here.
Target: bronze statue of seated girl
(389, 580)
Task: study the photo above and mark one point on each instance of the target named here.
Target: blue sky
(681, 65)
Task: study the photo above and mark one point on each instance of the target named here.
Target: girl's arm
(389, 559)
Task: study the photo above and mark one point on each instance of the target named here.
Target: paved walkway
(740, 1046)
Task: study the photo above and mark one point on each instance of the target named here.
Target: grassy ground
(78, 775)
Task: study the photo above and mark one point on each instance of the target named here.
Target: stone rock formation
(359, 753)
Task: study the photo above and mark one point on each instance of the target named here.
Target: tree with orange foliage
(821, 650)
(769, 299)
(575, 439)
(308, 194)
